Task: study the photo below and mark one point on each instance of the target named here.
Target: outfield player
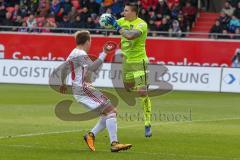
(133, 31)
(81, 67)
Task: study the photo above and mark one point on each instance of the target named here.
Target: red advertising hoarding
(167, 51)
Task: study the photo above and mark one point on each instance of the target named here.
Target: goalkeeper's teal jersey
(134, 50)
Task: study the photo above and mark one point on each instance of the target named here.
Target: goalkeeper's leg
(147, 108)
(146, 103)
(136, 81)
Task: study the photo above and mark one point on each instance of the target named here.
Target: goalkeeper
(133, 31)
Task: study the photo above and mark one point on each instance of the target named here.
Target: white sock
(111, 124)
(100, 126)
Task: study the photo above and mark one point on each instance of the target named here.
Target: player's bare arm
(95, 65)
(64, 72)
(130, 34)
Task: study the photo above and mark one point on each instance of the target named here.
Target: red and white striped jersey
(77, 60)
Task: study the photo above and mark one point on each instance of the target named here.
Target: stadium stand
(167, 17)
(228, 23)
(162, 15)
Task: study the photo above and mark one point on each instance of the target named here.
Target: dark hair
(134, 6)
(82, 37)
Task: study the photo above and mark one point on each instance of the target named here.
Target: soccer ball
(103, 20)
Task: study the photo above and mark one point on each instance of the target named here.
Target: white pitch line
(130, 126)
(22, 146)
(39, 134)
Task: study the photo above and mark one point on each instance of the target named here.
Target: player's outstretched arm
(97, 63)
(107, 48)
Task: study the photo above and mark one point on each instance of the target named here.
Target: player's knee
(142, 91)
(129, 86)
(109, 109)
(111, 115)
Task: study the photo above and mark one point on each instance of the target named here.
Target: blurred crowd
(173, 16)
(228, 23)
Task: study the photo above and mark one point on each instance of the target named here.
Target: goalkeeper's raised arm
(126, 29)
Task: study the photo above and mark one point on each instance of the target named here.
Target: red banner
(167, 51)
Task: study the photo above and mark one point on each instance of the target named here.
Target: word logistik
(25, 71)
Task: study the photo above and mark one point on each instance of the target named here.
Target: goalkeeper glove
(112, 21)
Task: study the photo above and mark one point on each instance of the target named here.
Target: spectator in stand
(93, 7)
(2, 13)
(78, 23)
(162, 8)
(176, 9)
(48, 25)
(117, 8)
(65, 24)
(236, 59)
(143, 14)
(59, 15)
(90, 23)
(31, 23)
(175, 30)
(66, 5)
(23, 28)
(224, 35)
(171, 3)
(107, 3)
(224, 19)
(146, 4)
(43, 8)
(16, 12)
(228, 9)
(156, 10)
(183, 23)
(237, 11)
(7, 21)
(233, 24)
(164, 27)
(154, 5)
(84, 14)
(55, 7)
(158, 17)
(109, 10)
(11, 3)
(216, 30)
(237, 34)
(102, 9)
(84, 3)
(189, 13)
(18, 21)
(72, 14)
(25, 9)
(152, 26)
(33, 6)
(95, 20)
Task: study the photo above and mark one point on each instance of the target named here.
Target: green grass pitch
(187, 126)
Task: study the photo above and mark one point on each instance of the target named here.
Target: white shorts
(89, 96)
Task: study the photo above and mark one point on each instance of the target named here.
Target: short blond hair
(81, 37)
